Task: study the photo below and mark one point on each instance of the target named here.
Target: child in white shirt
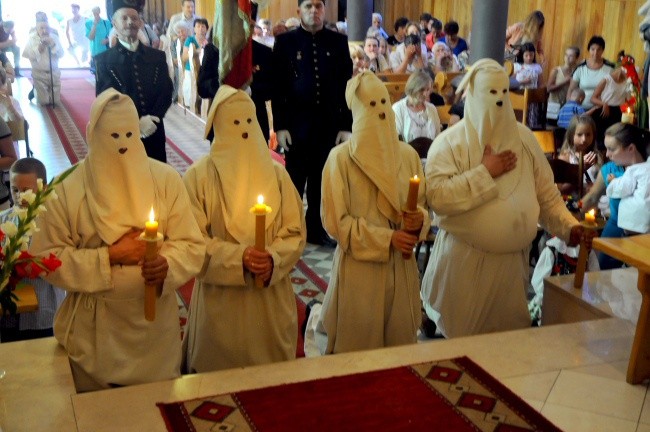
(627, 145)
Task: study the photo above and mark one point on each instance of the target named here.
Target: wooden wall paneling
(568, 22)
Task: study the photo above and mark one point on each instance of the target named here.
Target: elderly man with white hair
(140, 72)
(489, 184)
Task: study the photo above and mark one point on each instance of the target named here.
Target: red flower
(2, 235)
(51, 263)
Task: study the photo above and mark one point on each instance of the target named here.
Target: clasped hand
(260, 263)
(129, 250)
(498, 163)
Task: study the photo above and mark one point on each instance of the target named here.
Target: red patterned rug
(448, 395)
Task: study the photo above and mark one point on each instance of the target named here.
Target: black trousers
(304, 163)
(155, 144)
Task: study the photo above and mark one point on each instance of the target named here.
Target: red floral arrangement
(634, 83)
(16, 263)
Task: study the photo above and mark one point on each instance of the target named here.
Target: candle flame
(592, 212)
(628, 110)
(415, 177)
(260, 199)
(151, 215)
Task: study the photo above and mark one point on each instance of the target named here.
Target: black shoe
(322, 240)
(428, 327)
(30, 96)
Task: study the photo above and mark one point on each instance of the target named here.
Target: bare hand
(154, 272)
(128, 250)
(590, 159)
(412, 221)
(605, 111)
(410, 52)
(498, 163)
(579, 234)
(403, 241)
(258, 262)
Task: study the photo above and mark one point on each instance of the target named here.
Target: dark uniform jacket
(143, 76)
(310, 73)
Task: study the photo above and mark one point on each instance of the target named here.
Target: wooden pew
(395, 90)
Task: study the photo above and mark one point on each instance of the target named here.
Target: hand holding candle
(259, 210)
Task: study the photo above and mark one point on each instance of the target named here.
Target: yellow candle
(412, 197)
(590, 217)
(151, 226)
(260, 207)
(627, 117)
(150, 292)
(260, 210)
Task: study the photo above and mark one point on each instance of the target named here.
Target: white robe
(101, 323)
(232, 323)
(477, 274)
(44, 84)
(372, 299)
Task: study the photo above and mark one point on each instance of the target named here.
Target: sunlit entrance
(22, 12)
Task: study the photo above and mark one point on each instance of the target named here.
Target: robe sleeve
(422, 200)
(222, 264)
(450, 190)
(289, 242)
(357, 237)
(622, 187)
(183, 246)
(82, 269)
(553, 214)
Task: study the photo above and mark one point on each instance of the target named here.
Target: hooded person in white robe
(233, 323)
(93, 228)
(372, 300)
(489, 183)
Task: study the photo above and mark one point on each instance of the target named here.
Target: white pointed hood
(117, 176)
(241, 157)
(374, 145)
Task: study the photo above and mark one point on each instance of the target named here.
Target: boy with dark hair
(29, 174)
(400, 32)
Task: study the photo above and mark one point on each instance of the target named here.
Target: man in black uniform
(139, 72)
(207, 82)
(310, 67)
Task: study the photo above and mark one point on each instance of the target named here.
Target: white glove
(342, 137)
(148, 125)
(284, 139)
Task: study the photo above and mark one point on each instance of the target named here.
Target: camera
(412, 39)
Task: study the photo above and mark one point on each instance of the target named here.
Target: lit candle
(260, 210)
(151, 226)
(590, 217)
(412, 197)
(627, 117)
(151, 251)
